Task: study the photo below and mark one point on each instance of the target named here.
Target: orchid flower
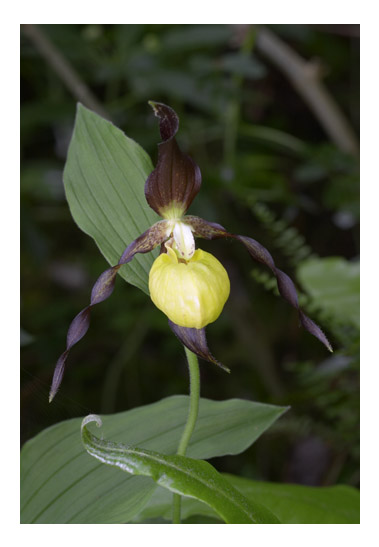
(190, 286)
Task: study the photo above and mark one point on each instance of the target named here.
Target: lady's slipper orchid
(190, 286)
(190, 292)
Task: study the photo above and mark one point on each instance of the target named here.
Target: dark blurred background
(271, 116)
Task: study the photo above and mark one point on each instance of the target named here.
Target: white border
(163, 13)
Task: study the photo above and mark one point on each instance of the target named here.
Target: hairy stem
(193, 411)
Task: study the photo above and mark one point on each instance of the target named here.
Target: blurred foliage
(269, 172)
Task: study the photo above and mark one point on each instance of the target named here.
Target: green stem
(233, 111)
(193, 411)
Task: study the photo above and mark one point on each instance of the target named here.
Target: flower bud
(191, 293)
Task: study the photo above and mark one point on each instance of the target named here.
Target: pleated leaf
(179, 474)
(60, 483)
(291, 503)
(104, 179)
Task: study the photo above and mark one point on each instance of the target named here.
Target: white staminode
(184, 240)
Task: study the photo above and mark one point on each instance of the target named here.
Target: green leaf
(333, 284)
(297, 504)
(60, 483)
(104, 179)
(291, 503)
(179, 474)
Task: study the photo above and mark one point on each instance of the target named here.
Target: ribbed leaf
(104, 180)
(60, 483)
(333, 284)
(291, 503)
(179, 474)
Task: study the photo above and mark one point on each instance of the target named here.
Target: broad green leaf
(60, 483)
(104, 179)
(333, 284)
(291, 503)
(297, 504)
(179, 474)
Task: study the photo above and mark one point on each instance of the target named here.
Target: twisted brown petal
(102, 289)
(176, 180)
(195, 341)
(287, 290)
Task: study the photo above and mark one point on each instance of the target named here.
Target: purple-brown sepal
(195, 341)
(176, 180)
(102, 289)
(286, 287)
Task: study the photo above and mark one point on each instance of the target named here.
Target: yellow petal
(193, 293)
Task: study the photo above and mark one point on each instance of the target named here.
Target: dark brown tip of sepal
(58, 375)
(176, 179)
(286, 287)
(285, 284)
(195, 341)
(314, 329)
(102, 289)
(168, 120)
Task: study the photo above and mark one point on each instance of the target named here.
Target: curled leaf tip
(91, 418)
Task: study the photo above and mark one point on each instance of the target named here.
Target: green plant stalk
(233, 111)
(194, 372)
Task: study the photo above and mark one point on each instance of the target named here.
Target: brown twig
(63, 68)
(306, 79)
